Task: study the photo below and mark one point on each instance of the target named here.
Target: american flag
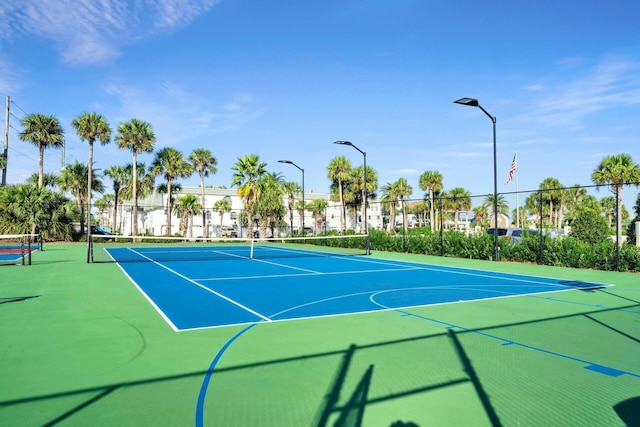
(512, 169)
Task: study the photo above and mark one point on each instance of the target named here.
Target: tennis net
(17, 248)
(162, 249)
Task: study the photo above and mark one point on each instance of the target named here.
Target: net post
(251, 251)
(90, 249)
(29, 248)
(22, 250)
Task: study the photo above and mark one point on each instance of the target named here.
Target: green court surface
(81, 346)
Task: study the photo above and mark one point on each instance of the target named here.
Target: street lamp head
(467, 101)
(343, 143)
(285, 161)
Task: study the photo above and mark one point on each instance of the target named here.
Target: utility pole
(5, 153)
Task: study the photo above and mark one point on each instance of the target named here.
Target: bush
(590, 227)
(568, 252)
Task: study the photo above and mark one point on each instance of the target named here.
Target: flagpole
(517, 204)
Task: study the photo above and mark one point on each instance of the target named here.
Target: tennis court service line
(313, 273)
(236, 303)
(288, 266)
(477, 273)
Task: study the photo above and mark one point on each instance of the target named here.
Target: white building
(152, 214)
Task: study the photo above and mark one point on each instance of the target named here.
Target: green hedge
(566, 252)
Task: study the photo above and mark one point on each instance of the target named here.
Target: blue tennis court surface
(237, 289)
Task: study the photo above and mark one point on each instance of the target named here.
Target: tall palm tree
(222, 206)
(317, 208)
(49, 180)
(269, 206)
(300, 207)
(290, 189)
(553, 192)
(118, 175)
(170, 163)
(205, 164)
(460, 201)
(402, 190)
(91, 127)
(247, 171)
(359, 188)
(481, 214)
(390, 201)
(44, 132)
(73, 179)
(143, 186)
(136, 136)
(431, 181)
(617, 170)
(609, 207)
(188, 206)
(503, 206)
(339, 171)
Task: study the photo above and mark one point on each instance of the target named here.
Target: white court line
(287, 266)
(311, 273)
(458, 270)
(202, 287)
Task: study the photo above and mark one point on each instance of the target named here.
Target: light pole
(474, 103)
(301, 170)
(366, 230)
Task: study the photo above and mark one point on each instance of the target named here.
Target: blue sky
(284, 79)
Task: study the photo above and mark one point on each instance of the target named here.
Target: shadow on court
(344, 398)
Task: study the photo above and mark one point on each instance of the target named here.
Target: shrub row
(566, 252)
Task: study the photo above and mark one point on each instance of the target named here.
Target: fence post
(540, 240)
(618, 225)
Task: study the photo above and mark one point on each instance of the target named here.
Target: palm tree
(401, 190)
(91, 127)
(269, 205)
(102, 206)
(300, 207)
(143, 186)
(188, 206)
(73, 179)
(460, 201)
(503, 206)
(290, 189)
(30, 208)
(617, 170)
(43, 132)
(49, 180)
(118, 175)
(553, 192)
(222, 206)
(609, 207)
(359, 188)
(170, 163)
(431, 181)
(481, 214)
(136, 136)
(317, 208)
(390, 200)
(205, 164)
(339, 171)
(574, 196)
(247, 171)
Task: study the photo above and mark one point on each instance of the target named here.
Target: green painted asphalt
(80, 346)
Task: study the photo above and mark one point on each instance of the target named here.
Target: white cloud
(88, 31)
(179, 115)
(613, 83)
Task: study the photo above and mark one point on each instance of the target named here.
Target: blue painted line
(207, 378)
(595, 367)
(605, 370)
